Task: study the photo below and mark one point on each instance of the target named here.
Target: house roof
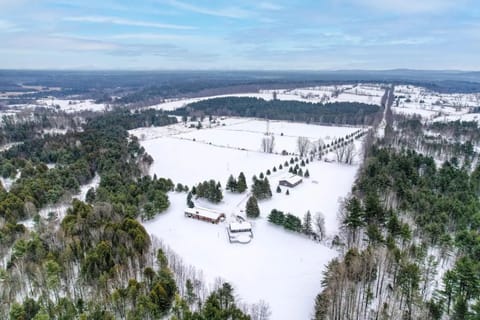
(207, 213)
(240, 226)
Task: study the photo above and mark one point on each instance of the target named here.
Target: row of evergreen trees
(291, 222)
(210, 190)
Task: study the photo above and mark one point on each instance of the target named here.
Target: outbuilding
(291, 181)
(203, 214)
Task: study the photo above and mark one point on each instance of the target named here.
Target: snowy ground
(253, 131)
(279, 267)
(434, 106)
(365, 93)
(289, 266)
(72, 105)
(60, 210)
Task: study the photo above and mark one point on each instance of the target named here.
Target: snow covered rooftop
(207, 213)
(293, 179)
(240, 226)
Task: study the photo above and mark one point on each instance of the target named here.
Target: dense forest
(95, 261)
(410, 229)
(330, 113)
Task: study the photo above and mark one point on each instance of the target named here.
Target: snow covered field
(72, 105)
(365, 93)
(433, 105)
(280, 267)
(251, 132)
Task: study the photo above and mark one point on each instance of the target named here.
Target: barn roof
(207, 213)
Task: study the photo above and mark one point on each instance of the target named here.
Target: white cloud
(127, 22)
(411, 6)
(7, 26)
(230, 12)
(269, 6)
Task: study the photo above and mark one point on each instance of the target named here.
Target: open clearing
(280, 267)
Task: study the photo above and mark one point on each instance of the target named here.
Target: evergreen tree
(287, 193)
(261, 176)
(279, 190)
(276, 217)
(179, 187)
(302, 163)
(268, 172)
(190, 203)
(232, 184)
(267, 191)
(307, 224)
(274, 169)
(90, 196)
(241, 183)
(280, 167)
(251, 208)
(300, 172)
(307, 174)
(292, 223)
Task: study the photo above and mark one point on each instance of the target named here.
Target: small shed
(203, 214)
(291, 181)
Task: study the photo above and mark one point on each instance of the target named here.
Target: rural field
(289, 264)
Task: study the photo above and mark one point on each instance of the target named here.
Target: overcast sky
(240, 34)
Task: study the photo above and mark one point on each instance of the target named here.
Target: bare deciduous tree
(268, 144)
(302, 145)
(260, 311)
(319, 224)
(350, 153)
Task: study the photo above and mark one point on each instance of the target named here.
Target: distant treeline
(131, 120)
(337, 113)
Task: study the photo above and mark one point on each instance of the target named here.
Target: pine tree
(267, 191)
(292, 223)
(274, 169)
(302, 163)
(290, 170)
(232, 184)
(287, 193)
(279, 190)
(261, 176)
(307, 224)
(179, 187)
(276, 217)
(241, 183)
(291, 161)
(268, 172)
(307, 174)
(251, 208)
(286, 164)
(190, 203)
(300, 172)
(280, 167)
